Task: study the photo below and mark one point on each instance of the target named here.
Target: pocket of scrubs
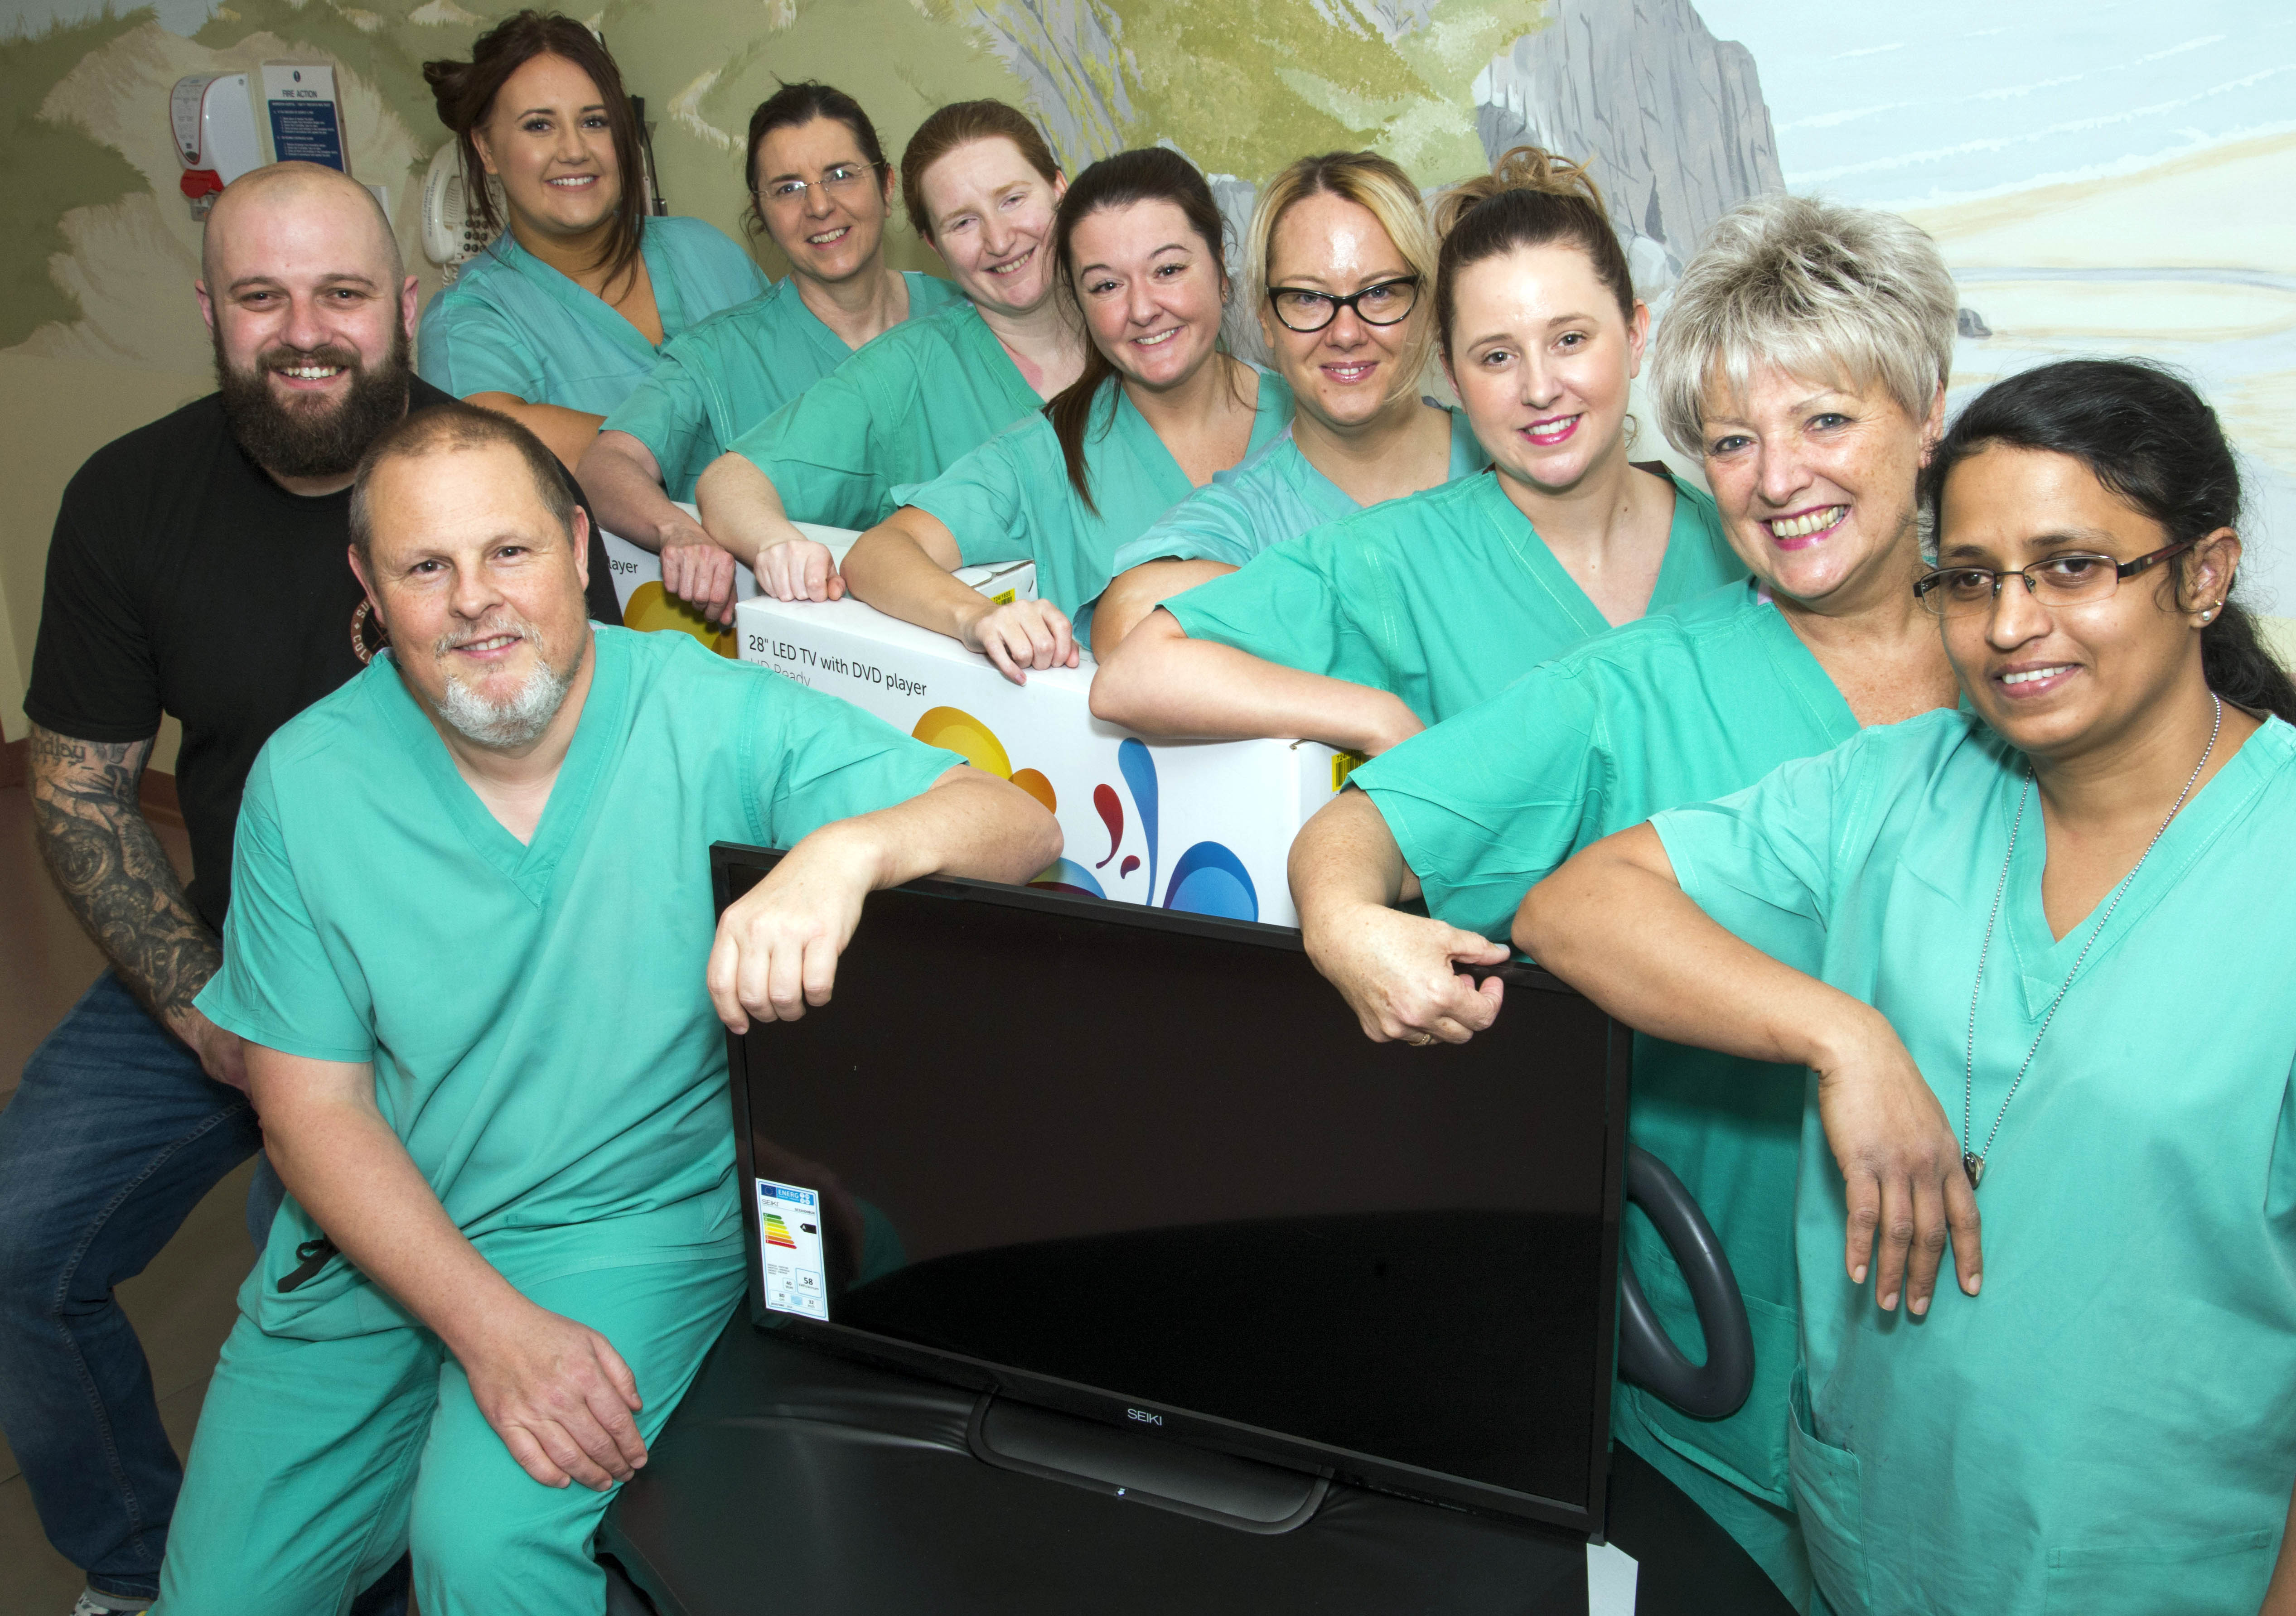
(1829, 1495)
(2201, 1576)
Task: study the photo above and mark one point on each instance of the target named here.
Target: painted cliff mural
(2102, 178)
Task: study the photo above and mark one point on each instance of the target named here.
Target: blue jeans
(114, 1137)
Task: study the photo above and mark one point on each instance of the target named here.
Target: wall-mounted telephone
(452, 233)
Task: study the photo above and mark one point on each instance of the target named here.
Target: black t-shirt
(181, 579)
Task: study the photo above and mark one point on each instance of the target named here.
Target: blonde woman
(1366, 630)
(1340, 262)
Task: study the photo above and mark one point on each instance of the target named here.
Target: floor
(182, 1305)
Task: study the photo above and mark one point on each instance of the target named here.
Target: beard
(313, 437)
(519, 718)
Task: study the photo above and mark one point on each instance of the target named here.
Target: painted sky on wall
(1953, 100)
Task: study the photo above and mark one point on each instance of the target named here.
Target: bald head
(315, 210)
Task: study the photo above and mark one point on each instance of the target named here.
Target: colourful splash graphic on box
(1208, 879)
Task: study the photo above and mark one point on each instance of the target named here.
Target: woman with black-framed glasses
(1341, 264)
(2043, 945)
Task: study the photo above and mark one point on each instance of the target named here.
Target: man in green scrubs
(1440, 599)
(469, 953)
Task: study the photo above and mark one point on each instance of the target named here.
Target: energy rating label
(789, 1232)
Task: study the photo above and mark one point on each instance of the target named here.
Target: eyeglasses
(1386, 303)
(841, 182)
(2061, 580)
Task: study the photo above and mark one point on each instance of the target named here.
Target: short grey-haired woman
(1804, 363)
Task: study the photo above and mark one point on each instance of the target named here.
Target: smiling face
(311, 319)
(1542, 359)
(1151, 288)
(992, 223)
(2058, 681)
(1815, 483)
(822, 202)
(480, 588)
(547, 138)
(1347, 373)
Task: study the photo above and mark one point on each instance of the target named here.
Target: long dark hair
(465, 93)
(2147, 436)
(792, 107)
(1529, 198)
(1149, 174)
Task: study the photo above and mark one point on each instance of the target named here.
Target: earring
(2208, 615)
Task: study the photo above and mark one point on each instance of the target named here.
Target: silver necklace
(1972, 1161)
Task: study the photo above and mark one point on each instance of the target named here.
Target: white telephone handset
(452, 235)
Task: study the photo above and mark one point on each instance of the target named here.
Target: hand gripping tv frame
(1201, 827)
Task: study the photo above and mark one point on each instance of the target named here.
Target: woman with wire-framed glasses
(1369, 628)
(1340, 263)
(2034, 951)
(822, 192)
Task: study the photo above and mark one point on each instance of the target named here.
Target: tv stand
(1219, 1488)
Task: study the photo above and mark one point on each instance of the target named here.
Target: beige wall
(52, 414)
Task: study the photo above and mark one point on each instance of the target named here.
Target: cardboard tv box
(1200, 826)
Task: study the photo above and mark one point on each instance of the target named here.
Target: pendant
(1973, 1164)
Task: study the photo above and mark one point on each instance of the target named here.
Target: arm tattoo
(112, 870)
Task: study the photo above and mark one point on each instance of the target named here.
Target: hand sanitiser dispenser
(219, 134)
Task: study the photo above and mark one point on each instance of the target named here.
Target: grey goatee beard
(519, 718)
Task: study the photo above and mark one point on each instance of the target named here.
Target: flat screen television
(1144, 1167)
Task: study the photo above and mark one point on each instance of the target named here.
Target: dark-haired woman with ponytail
(2046, 942)
(556, 321)
(1156, 411)
(822, 192)
(1363, 632)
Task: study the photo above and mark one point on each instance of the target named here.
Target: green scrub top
(1271, 499)
(902, 410)
(1681, 706)
(536, 1013)
(511, 324)
(1010, 499)
(737, 367)
(2109, 1426)
(1441, 598)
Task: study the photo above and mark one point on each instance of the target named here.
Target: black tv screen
(1144, 1167)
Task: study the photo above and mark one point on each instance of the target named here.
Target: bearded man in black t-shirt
(198, 567)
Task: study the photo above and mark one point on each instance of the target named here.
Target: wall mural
(2103, 179)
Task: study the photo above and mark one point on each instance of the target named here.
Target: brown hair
(1530, 198)
(792, 107)
(960, 124)
(456, 425)
(1147, 174)
(465, 93)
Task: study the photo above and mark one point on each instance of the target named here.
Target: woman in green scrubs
(1369, 629)
(1841, 322)
(982, 188)
(554, 322)
(1343, 272)
(1156, 411)
(2034, 953)
(820, 188)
